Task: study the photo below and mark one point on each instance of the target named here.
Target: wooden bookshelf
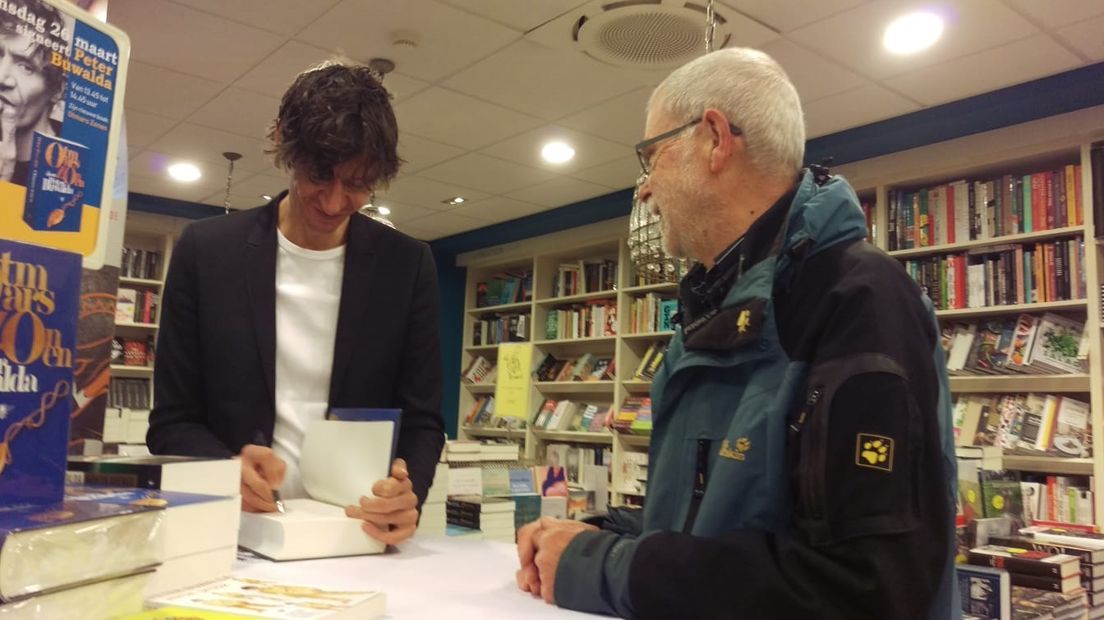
(1037, 308)
(1031, 237)
(1020, 383)
(575, 387)
(1049, 464)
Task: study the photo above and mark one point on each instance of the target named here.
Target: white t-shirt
(308, 296)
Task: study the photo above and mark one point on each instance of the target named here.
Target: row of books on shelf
(1025, 344)
(571, 415)
(1024, 498)
(591, 319)
(586, 367)
(136, 306)
(650, 362)
(585, 276)
(129, 393)
(976, 210)
(1030, 424)
(137, 351)
(652, 313)
(496, 329)
(1003, 275)
(140, 263)
(506, 288)
(988, 593)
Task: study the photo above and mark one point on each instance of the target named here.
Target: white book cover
(1056, 344)
(259, 598)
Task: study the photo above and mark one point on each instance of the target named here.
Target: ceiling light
(266, 197)
(383, 210)
(184, 172)
(913, 32)
(455, 200)
(557, 152)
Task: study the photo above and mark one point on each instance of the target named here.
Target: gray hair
(756, 95)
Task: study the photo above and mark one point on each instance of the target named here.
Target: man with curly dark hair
(30, 86)
(275, 315)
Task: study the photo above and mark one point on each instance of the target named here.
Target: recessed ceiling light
(266, 197)
(557, 152)
(913, 32)
(184, 172)
(383, 210)
(455, 200)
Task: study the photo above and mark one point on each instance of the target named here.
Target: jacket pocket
(853, 445)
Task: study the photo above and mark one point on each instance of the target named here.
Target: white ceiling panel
(286, 17)
(166, 93)
(427, 193)
(447, 39)
(402, 212)
(521, 16)
(195, 142)
(526, 149)
(420, 153)
(238, 111)
(193, 42)
(620, 119)
(143, 128)
(618, 174)
(156, 186)
(786, 16)
(487, 174)
(276, 72)
(546, 82)
(854, 37)
(459, 120)
(1052, 14)
(853, 108)
(445, 224)
(1087, 37)
(995, 68)
(559, 191)
(152, 166)
(813, 75)
(498, 209)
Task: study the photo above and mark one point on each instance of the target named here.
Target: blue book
(56, 184)
(372, 415)
(667, 310)
(521, 481)
(51, 546)
(985, 591)
(39, 294)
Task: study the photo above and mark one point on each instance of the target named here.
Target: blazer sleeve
(178, 420)
(418, 389)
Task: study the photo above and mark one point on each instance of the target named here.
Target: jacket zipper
(812, 460)
(700, 471)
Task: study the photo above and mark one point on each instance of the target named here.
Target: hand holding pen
(262, 474)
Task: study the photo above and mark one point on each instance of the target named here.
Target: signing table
(428, 577)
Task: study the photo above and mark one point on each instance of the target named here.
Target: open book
(270, 599)
(342, 457)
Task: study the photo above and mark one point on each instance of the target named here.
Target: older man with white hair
(802, 463)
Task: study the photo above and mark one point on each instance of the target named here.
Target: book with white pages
(341, 458)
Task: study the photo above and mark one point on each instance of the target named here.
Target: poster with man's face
(62, 73)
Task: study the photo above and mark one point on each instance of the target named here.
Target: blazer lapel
(260, 281)
(356, 294)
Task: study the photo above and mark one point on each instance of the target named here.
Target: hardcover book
(56, 187)
(39, 296)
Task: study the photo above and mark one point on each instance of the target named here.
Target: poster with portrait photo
(62, 78)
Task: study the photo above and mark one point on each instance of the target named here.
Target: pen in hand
(259, 440)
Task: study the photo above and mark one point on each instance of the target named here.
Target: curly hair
(48, 16)
(333, 114)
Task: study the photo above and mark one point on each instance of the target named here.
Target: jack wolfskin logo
(743, 444)
(743, 321)
(874, 451)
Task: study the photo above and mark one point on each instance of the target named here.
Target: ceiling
(482, 89)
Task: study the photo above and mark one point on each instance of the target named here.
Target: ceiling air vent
(641, 34)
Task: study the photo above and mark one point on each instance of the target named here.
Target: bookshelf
(147, 247)
(1021, 150)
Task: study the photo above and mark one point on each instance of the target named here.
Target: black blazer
(216, 369)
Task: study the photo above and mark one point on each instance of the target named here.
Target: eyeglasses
(645, 150)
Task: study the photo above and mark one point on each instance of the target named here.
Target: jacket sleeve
(870, 524)
(418, 391)
(178, 420)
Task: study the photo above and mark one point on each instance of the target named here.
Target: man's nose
(334, 198)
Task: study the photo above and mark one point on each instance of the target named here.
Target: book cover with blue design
(56, 187)
(39, 298)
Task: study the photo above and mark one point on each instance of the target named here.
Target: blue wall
(1057, 94)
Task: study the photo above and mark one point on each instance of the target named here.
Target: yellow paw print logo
(874, 451)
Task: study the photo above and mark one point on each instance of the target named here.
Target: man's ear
(722, 141)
